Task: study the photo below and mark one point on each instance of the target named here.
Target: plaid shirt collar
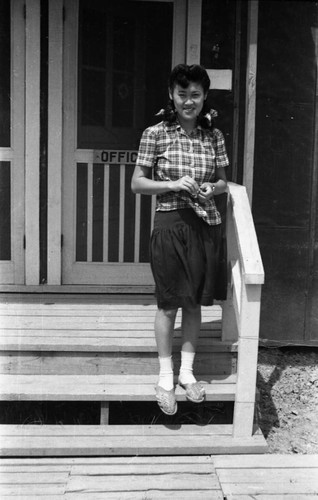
(175, 126)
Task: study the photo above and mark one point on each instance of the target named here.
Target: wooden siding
(285, 171)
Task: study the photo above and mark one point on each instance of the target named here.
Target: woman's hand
(209, 189)
(206, 192)
(185, 183)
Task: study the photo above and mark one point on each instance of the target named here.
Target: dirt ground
(288, 404)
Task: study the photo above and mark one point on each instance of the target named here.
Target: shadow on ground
(287, 408)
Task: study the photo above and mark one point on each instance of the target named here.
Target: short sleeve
(147, 149)
(220, 149)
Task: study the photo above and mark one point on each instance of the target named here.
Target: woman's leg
(164, 328)
(191, 322)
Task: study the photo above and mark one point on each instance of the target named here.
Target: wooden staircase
(102, 348)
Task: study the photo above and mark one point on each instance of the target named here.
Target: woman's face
(188, 102)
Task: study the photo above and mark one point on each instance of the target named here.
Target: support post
(104, 413)
(32, 143)
(55, 142)
(247, 361)
(194, 32)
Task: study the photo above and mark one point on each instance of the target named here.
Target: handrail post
(241, 310)
(247, 361)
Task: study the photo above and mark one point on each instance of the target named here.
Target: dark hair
(183, 75)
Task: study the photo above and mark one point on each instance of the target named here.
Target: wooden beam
(194, 32)
(32, 143)
(135, 440)
(236, 88)
(18, 138)
(104, 413)
(100, 388)
(55, 141)
(245, 236)
(179, 32)
(247, 361)
(250, 106)
(70, 40)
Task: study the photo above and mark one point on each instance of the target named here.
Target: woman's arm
(143, 183)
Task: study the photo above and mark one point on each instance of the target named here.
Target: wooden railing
(98, 183)
(241, 310)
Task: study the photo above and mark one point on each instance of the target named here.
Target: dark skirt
(188, 260)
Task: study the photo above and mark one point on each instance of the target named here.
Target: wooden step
(119, 325)
(79, 440)
(75, 341)
(103, 388)
(107, 363)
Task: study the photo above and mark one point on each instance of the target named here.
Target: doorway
(118, 56)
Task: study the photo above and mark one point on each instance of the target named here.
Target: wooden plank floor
(236, 477)
(268, 477)
(187, 478)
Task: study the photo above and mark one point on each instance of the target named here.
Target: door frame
(56, 15)
(32, 141)
(12, 272)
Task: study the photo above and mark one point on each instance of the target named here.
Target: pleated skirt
(188, 260)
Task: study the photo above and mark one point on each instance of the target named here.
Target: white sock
(186, 368)
(166, 373)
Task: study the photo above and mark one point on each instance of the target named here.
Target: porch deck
(236, 477)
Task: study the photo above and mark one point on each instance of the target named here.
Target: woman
(182, 160)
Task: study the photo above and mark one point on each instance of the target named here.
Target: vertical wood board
(32, 142)
(194, 32)
(18, 138)
(250, 97)
(55, 141)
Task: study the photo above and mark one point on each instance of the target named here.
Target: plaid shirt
(172, 154)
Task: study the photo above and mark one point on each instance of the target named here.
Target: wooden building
(79, 81)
